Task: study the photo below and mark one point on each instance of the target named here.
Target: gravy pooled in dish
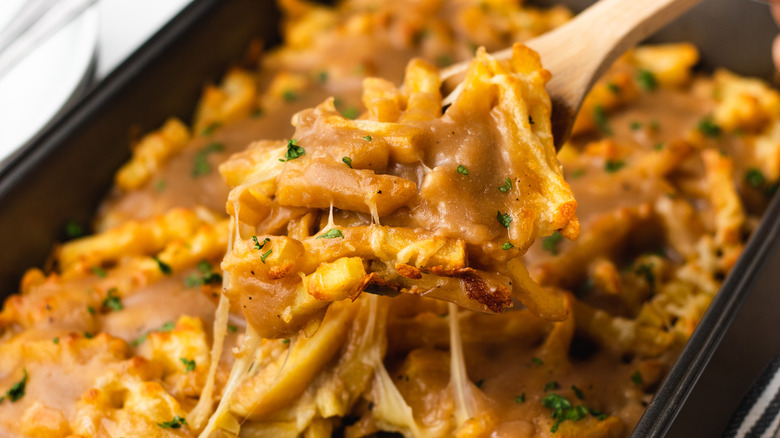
(228, 293)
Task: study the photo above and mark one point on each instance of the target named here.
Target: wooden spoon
(580, 51)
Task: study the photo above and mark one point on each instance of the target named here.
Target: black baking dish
(63, 173)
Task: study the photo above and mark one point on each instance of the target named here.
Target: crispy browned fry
(322, 184)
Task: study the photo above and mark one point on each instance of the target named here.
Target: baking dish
(62, 174)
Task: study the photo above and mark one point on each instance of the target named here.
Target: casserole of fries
(325, 250)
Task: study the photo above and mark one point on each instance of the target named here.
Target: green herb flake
(88, 335)
(16, 391)
(113, 301)
(654, 125)
(164, 267)
(367, 138)
(331, 234)
(646, 80)
(551, 242)
(708, 127)
(286, 341)
(210, 128)
(189, 364)
(613, 87)
(507, 245)
(56, 340)
(231, 328)
(350, 113)
(646, 270)
(579, 173)
(264, 256)
(635, 126)
(601, 121)
(289, 96)
(551, 386)
(504, 219)
(91, 310)
(462, 170)
(160, 185)
(506, 187)
(658, 146)
(293, 150)
(257, 113)
(636, 378)
(258, 245)
(176, 423)
(480, 382)
(140, 340)
(520, 398)
(444, 60)
(612, 166)
(754, 178)
(578, 392)
(598, 414)
(347, 161)
(167, 327)
(530, 120)
(200, 162)
(322, 77)
(73, 229)
(563, 410)
(537, 361)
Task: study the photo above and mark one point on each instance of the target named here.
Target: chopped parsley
(73, 229)
(231, 328)
(91, 310)
(350, 113)
(113, 301)
(646, 270)
(507, 245)
(654, 125)
(551, 385)
(613, 87)
(504, 219)
(16, 391)
(612, 166)
(206, 276)
(100, 272)
(176, 423)
(347, 161)
(56, 340)
(289, 95)
(754, 178)
(167, 327)
(367, 138)
(140, 340)
(530, 120)
(563, 410)
(257, 113)
(577, 173)
(200, 162)
(259, 245)
(462, 170)
(160, 185)
(646, 80)
(658, 146)
(88, 335)
(286, 341)
(331, 234)
(506, 187)
(520, 398)
(601, 121)
(164, 267)
(210, 128)
(708, 127)
(264, 256)
(550, 243)
(444, 60)
(636, 378)
(322, 77)
(537, 361)
(635, 126)
(293, 150)
(480, 382)
(189, 364)
(578, 392)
